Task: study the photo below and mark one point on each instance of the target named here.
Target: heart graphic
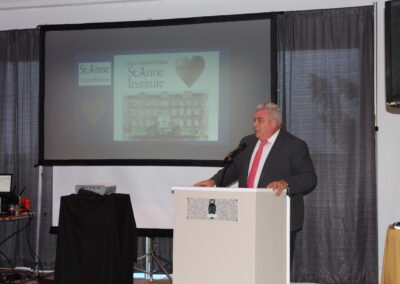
(93, 110)
(189, 70)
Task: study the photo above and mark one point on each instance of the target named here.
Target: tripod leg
(162, 267)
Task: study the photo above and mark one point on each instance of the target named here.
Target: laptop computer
(5, 183)
(5, 192)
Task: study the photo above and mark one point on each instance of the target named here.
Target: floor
(142, 281)
(26, 277)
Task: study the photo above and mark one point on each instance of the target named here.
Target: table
(24, 215)
(96, 239)
(391, 259)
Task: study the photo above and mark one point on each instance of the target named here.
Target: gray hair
(274, 111)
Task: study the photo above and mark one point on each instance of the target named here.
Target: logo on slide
(189, 70)
(93, 110)
(95, 74)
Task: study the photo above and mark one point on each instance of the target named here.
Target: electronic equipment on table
(97, 188)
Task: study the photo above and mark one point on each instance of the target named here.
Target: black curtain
(19, 112)
(326, 89)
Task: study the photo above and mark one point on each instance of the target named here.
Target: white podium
(230, 236)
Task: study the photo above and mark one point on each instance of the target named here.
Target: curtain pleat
(19, 114)
(326, 89)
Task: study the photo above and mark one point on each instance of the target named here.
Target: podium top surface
(224, 189)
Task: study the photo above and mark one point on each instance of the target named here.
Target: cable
(9, 237)
(16, 232)
(8, 260)
(7, 278)
(26, 227)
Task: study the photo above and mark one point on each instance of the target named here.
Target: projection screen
(136, 103)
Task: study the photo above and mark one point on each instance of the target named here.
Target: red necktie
(254, 166)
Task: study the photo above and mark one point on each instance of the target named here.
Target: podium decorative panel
(219, 209)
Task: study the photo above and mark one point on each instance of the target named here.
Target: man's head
(267, 120)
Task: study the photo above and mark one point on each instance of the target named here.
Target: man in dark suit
(272, 158)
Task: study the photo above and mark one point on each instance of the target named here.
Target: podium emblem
(212, 209)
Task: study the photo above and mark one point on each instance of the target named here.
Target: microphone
(22, 191)
(229, 158)
(234, 153)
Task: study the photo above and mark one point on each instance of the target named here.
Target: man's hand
(278, 186)
(205, 183)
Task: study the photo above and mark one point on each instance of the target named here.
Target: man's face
(263, 126)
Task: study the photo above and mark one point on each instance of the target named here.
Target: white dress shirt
(267, 148)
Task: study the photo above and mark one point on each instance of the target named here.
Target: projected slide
(169, 94)
(166, 96)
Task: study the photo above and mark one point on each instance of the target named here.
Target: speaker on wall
(392, 49)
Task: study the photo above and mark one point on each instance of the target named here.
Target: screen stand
(152, 259)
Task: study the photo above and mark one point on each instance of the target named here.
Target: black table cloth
(97, 239)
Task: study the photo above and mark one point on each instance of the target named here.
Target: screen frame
(149, 23)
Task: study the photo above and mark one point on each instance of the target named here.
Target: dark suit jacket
(289, 159)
